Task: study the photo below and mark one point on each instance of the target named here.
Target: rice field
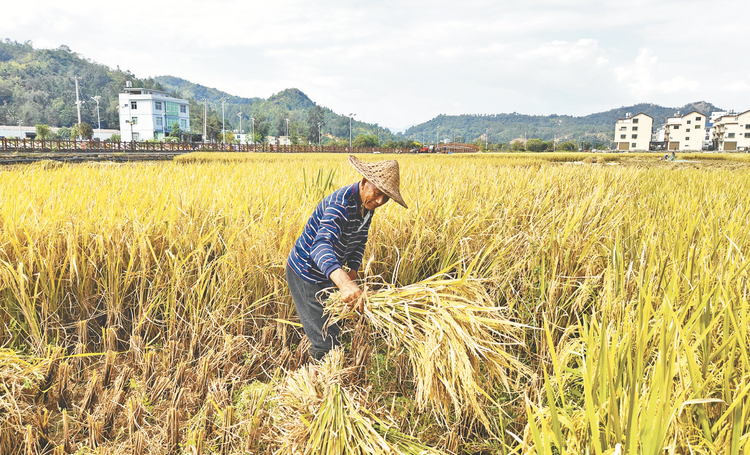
(521, 305)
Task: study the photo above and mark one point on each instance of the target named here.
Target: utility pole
(524, 141)
(486, 138)
(437, 133)
(78, 101)
(287, 129)
(350, 131)
(223, 130)
(319, 125)
(252, 134)
(205, 100)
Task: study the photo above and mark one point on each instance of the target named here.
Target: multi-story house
(633, 133)
(732, 132)
(685, 132)
(151, 114)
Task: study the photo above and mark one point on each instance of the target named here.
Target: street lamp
(239, 114)
(350, 130)
(98, 119)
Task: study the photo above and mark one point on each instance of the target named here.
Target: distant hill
(507, 127)
(199, 92)
(37, 86)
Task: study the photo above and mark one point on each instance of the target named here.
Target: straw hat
(383, 174)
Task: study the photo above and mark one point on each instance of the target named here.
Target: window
(133, 105)
(730, 135)
(136, 137)
(687, 138)
(134, 121)
(635, 120)
(747, 127)
(157, 105)
(183, 109)
(183, 124)
(634, 136)
(747, 134)
(698, 119)
(633, 144)
(159, 121)
(623, 128)
(688, 122)
(687, 130)
(677, 127)
(697, 127)
(635, 128)
(622, 136)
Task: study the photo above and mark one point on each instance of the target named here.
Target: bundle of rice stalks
(458, 342)
(317, 415)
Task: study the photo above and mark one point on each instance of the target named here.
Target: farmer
(334, 236)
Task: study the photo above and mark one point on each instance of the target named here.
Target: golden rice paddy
(525, 303)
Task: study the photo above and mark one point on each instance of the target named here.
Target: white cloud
(401, 62)
(737, 86)
(679, 84)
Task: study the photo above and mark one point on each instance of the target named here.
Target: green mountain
(597, 127)
(38, 86)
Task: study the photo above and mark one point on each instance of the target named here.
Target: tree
(516, 146)
(585, 145)
(82, 130)
(567, 146)
(115, 138)
(228, 137)
(315, 121)
(365, 140)
(535, 145)
(43, 132)
(64, 133)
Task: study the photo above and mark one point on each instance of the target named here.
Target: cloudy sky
(402, 62)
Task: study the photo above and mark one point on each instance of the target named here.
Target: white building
(685, 132)
(732, 132)
(633, 133)
(150, 114)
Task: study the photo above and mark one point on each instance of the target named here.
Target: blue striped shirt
(335, 234)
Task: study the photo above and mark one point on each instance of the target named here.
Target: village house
(685, 132)
(633, 133)
(147, 114)
(731, 132)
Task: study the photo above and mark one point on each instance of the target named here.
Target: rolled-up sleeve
(322, 249)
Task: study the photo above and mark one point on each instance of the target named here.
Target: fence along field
(144, 308)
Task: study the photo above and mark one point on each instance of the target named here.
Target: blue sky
(399, 63)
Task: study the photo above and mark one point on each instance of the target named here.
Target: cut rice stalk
(458, 342)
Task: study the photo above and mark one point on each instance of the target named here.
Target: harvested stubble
(640, 273)
(459, 343)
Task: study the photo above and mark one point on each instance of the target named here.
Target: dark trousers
(307, 298)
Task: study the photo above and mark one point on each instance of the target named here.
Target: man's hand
(350, 292)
